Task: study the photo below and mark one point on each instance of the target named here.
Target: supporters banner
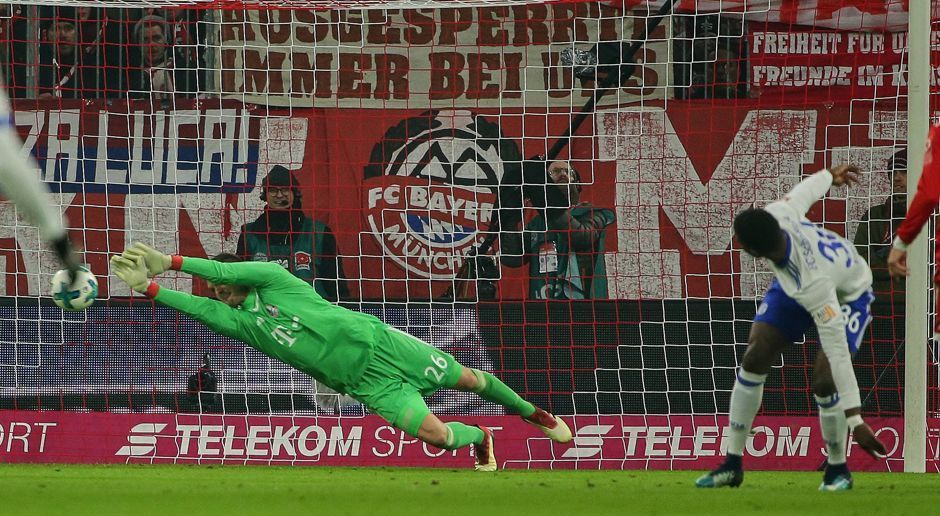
(681, 173)
(462, 57)
(408, 193)
(829, 63)
(132, 171)
(600, 442)
(837, 14)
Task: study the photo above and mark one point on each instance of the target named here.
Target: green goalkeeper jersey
(283, 317)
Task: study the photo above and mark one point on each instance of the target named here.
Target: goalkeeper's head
(232, 295)
(759, 234)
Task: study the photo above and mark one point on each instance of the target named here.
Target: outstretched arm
(928, 193)
(249, 274)
(218, 316)
(805, 194)
(20, 182)
(922, 206)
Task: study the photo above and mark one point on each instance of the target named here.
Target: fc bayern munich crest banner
(413, 193)
(425, 215)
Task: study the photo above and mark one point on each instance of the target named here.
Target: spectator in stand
(285, 234)
(922, 206)
(179, 25)
(160, 75)
(13, 48)
(878, 227)
(99, 33)
(564, 243)
(726, 80)
(66, 68)
(718, 75)
(185, 35)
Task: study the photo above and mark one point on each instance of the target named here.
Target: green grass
(236, 490)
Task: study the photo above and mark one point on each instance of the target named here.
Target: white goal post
(918, 284)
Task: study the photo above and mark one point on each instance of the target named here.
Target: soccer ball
(74, 299)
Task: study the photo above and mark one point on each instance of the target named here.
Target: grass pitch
(236, 490)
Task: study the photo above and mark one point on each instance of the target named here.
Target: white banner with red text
(449, 58)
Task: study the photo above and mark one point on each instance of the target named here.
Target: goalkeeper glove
(131, 271)
(156, 262)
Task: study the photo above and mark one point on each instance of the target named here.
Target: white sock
(745, 402)
(835, 430)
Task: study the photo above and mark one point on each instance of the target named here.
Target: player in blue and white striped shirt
(819, 279)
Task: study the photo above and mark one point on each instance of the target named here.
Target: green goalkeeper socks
(492, 389)
(460, 435)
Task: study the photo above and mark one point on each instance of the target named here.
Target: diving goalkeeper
(282, 316)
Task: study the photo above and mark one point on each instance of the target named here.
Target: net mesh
(394, 132)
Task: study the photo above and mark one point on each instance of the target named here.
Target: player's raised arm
(216, 315)
(805, 194)
(248, 274)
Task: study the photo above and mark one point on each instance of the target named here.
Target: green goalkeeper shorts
(403, 370)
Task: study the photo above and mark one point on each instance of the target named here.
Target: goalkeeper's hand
(132, 271)
(156, 262)
(866, 438)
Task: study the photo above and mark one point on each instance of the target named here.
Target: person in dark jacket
(67, 68)
(564, 244)
(879, 226)
(286, 235)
